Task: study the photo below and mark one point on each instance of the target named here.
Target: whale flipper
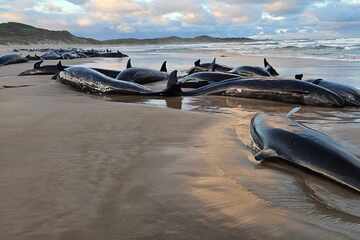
(163, 67)
(270, 68)
(37, 65)
(128, 65)
(265, 154)
(197, 63)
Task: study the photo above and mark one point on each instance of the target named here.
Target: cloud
(105, 19)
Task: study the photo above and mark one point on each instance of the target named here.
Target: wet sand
(76, 166)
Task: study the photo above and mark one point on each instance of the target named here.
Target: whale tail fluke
(163, 67)
(37, 64)
(270, 68)
(293, 111)
(197, 63)
(173, 88)
(128, 65)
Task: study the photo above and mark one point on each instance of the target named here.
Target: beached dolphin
(281, 138)
(283, 90)
(350, 94)
(55, 69)
(88, 80)
(12, 58)
(213, 66)
(200, 79)
(143, 75)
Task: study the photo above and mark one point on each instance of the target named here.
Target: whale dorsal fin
(213, 65)
(128, 65)
(60, 67)
(37, 65)
(265, 154)
(270, 68)
(197, 63)
(299, 76)
(163, 67)
(173, 88)
(293, 111)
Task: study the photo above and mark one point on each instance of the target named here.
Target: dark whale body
(250, 71)
(283, 90)
(280, 137)
(12, 59)
(350, 94)
(88, 80)
(143, 75)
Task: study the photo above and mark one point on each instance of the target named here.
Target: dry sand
(73, 166)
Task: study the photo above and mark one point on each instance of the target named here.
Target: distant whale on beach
(143, 75)
(13, 58)
(55, 69)
(281, 138)
(283, 90)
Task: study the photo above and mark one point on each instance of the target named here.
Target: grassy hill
(18, 33)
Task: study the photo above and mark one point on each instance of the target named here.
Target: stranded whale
(251, 71)
(280, 137)
(350, 94)
(88, 80)
(284, 90)
(55, 69)
(13, 58)
(143, 75)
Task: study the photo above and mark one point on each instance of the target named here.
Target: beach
(78, 166)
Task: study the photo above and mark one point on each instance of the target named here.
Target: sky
(108, 19)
